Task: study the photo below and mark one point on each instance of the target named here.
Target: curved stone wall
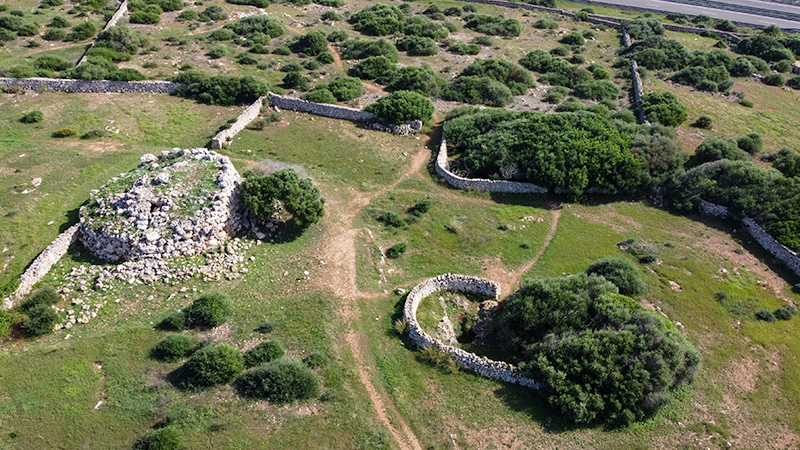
(479, 184)
(321, 109)
(489, 368)
(98, 86)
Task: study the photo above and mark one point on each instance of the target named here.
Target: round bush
(622, 273)
(262, 353)
(167, 438)
(45, 295)
(284, 192)
(785, 312)
(210, 366)
(703, 122)
(173, 322)
(208, 311)
(172, 348)
(396, 250)
(774, 79)
(765, 315)
(64, 132)
(316, 359)
(41, 320)
(319, 95)
(401, 106)
(6, 319)
(280, 381)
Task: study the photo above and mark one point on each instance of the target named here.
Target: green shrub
(396, 250)
(82, 31)
(425, 27)
(494, 25)
(282, 50)
(460, 48)
(358, 49)
(401, 106)
(220, 35)
(166, 438)
(296, 80)
(346, 88)
(266, 327)
(337, 36)
(572, 38)
(751, 143)
(280, 381)
(319, 95)
(6, 319)
(545, 24)
(597, 90)
(422, 80)
(332, 15)
(703, 122)
(484, 41)
(208, 311)
(788, 162)
(64, 132)
(765, 315)
(664, 108)
(713, 149)
(52, 35)
(421, 207)
(418, 46)
(40, 320)
(173, 322)
(187, 15)
(286, 194)
(378, 20)
(782, 313)
(622, 273)
(121, 39)
(222, 90)
(326, 57)
(211, 365)
(256, 3)
(32, 117)
(172, 348)
(391, 219)
(437, 359)
(144, 17)
(312, 43)
(262, 353)
(374, 67)
(774, 79)
(258, 24)
(642, 28)
(316, 359)
(94, 134)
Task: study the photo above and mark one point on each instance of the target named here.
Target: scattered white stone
(36, 182)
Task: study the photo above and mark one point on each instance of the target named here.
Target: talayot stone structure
(489, 368)
(97, 86)
(478, 184)
(183, 202)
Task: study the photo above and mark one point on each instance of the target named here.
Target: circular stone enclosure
(183, 202)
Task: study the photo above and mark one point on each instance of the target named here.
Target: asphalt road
(741, 17)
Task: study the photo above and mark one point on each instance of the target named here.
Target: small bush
(346, 88)
(94, 134)
(46, 296)
(337, 36)
(32, 117)
(172, 348)
(326, 57)
(82, 31)
(210, 366)
(765, 315)
(280, 381)
(263, 353)
(400, 326)
(40, 321)
(441, 361)
(751, 143)
(6, 319)
(391, 219)
(622, 273)
(785, 312)
(296, 80)
(54, 35)
(746, 103)
(421, 207)
(332, 15)
(64, 132)
(173, 322)
(266, 327)
(774, 79)
(167, 438)
(401, 106)
(316, 359)
(208, 311)
(396, 250)
(217, 51)
(703, 122)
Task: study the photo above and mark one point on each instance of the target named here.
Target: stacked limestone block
(184, 202)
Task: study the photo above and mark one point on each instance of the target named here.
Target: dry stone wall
(478, 184)
(771, 245)
(489, 368)
(118, 14)
(225, 137)
(42, 264)
(98, 86)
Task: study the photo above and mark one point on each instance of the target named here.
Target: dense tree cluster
(767, 196)
(557, 71)
(587, 151)
(378, 20)
(493, 25)
(219, 89)
(600, 356)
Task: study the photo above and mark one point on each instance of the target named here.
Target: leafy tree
(284, 193)
(401, 106)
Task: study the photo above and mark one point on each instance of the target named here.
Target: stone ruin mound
(183, 202)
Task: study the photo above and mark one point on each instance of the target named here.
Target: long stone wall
(479, 184)
(118, 14)
(42, 264)
(489, 368)
(778, 250)
(225, 137)
(98, 86)
(636, 81)
(321, 109)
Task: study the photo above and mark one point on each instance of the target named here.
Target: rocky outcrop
(98, 86)
(479, 184)
(184, 202)
(225, 137)
(489, 368)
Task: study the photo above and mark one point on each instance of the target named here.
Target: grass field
(95, 385)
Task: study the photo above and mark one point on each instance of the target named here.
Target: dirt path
(338, 251)
(510, 279)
